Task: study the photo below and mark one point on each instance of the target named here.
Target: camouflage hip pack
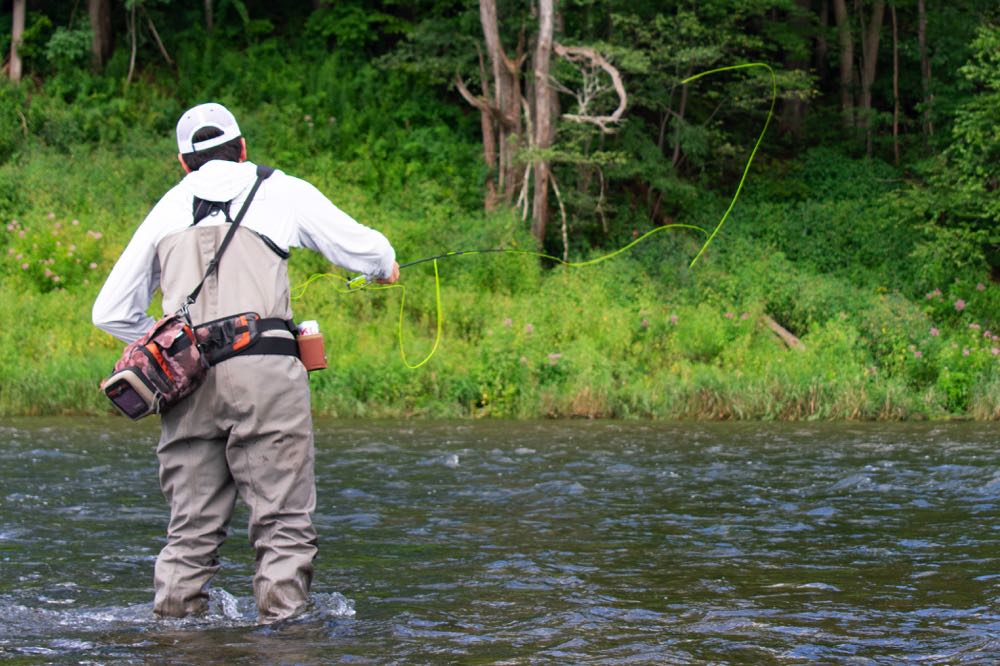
(158, 370)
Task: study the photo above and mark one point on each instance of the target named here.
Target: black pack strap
(263, 172)
(271, 347)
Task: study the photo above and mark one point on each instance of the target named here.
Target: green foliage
(881, 272)
(68, 47)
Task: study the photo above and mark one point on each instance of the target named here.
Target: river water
(525, 543)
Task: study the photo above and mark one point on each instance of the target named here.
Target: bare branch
(156, 37)
(562, 211)
(479, 102)
(578, 54)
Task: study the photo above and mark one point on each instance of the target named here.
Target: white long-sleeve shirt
(287, 210)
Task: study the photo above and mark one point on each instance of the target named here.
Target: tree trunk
(101, 43)
(925, 70)
(869, 65)
(507, 98)
(544, 126)
(16, 32)
(846, 42)
(822, 49)
(793, 110)
(895, 87)
(210, 19)
(675, 158)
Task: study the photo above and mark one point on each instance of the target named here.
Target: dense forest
(856, 275)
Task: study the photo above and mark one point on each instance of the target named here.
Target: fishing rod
(361, 282)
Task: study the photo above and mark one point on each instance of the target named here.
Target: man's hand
(392, 278)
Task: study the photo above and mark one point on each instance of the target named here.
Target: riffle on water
(522, 543)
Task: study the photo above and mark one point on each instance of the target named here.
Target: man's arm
(120, 308)
(337, 236)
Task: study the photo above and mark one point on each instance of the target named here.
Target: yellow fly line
(356, 284)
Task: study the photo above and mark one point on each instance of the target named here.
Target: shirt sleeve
(336, 235)
(120, 308)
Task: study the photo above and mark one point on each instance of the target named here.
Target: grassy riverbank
(897, 317)
(641, 335)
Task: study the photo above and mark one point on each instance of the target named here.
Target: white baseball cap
(205, 115)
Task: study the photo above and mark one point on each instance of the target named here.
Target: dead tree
(16, 33)
(514, 118)
(544, 124)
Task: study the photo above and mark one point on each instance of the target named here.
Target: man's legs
(270, 455)
(196, 481)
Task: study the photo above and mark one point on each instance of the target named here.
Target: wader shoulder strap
(263, 172)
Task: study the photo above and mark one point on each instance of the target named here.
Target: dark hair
(229, 151)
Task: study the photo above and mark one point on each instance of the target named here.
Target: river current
(532, 543)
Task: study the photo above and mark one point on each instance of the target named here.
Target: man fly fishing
(246, 431)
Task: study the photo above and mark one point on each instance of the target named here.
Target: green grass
(824, 248)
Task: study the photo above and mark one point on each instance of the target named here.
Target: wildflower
(57, 225)
(644, 323)
(11, 250)
(974, 326)
(918, 354)
(508, 322)
(92, 266)
(529, 328)
(51, 215)
(996, 351)
(745, 316)
(960, 305)
(56, 278)
(75, 222)
(524, 360)
(96, 235)
(933, 294)
(980, 287)
(20, 234)
(935, 332)
(554, 358)
(48, 273)
(965, 351)
(24, 266)
(729, 315)
(987, 335)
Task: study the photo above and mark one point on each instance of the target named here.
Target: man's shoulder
(292, 186)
